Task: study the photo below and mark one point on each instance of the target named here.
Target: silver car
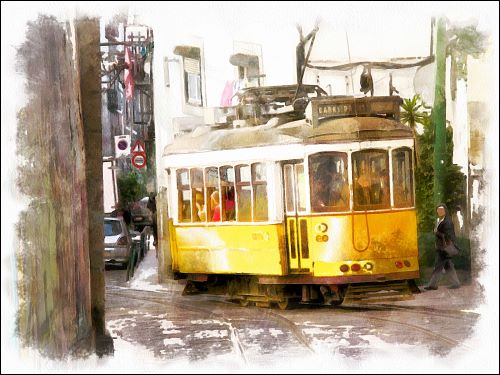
(117, 241)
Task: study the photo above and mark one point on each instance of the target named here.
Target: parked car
(141, 214)
(117, 241)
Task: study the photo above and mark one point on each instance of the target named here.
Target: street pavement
(153, 325)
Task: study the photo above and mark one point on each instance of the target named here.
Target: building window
(329, 182)
(192, 81)
(402, 177)
(193, 85)
(370, 179)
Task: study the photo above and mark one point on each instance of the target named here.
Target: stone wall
(55, 233)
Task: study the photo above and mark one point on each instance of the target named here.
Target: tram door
(296, 221)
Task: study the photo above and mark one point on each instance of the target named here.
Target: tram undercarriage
(247, 290)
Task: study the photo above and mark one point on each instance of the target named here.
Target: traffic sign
(139, 160)
(122, 145)
(138, 147)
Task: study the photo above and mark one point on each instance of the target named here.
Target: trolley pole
(438, 116)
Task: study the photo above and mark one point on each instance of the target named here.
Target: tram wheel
(337, 302)
(262, 304)
(244, 302)
(283, 304)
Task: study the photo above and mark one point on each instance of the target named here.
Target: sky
(367, 23)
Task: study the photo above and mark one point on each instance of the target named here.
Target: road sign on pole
(138, 147)
(122, 145)
(139, 154)
(139, 160)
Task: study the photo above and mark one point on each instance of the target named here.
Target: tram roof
(329, 130)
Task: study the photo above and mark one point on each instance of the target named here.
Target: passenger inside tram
(363, 184)
(214, 197)
(200, 205)
(229, 205)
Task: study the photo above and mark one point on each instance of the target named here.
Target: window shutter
(192, 66)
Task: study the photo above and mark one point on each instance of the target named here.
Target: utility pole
(438, 116)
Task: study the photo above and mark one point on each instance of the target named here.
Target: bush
(131, 188)
(427, 252)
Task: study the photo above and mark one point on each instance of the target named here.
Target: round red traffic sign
(139, 159)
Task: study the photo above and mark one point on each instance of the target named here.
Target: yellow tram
(296, 195)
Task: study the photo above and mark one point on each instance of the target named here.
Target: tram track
(357, 312)
(156, 297)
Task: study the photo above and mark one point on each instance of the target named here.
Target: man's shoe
(430, 287)
(454, 287)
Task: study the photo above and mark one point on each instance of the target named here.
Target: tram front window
(402, 177)
(329, 182)
(371, 179)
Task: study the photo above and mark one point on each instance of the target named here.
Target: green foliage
(455, 180)
(427, 251)
(131, 187)
(412, 111)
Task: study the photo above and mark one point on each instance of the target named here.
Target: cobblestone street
(157, 321)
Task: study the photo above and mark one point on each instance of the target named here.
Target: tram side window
(184, 192)
(213, 194)
(329, 182)
(402, 178)
(371, 179)
(199, 209)
(244, 193)
(259, 185)
(227, 193)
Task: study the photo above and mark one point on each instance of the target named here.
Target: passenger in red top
(215, 203)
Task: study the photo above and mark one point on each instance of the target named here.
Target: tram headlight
(368, 266)
(407, 263)
(321, 227)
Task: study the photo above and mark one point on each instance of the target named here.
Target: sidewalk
(146, 275)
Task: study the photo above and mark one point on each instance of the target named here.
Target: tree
(454, 181)
(462, 42)
(131, 187)
(413, 115)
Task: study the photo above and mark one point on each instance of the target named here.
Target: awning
(241, 59)
(187, 51)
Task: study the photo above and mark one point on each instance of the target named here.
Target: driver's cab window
(329, 182)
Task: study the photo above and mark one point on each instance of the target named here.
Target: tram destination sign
(347, 106)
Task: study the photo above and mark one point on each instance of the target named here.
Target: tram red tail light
(355, 267)
(399, 264)
(344, 268)
(407, 263)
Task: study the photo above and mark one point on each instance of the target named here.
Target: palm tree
(412, 115)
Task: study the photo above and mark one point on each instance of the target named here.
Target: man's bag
(450, 249)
